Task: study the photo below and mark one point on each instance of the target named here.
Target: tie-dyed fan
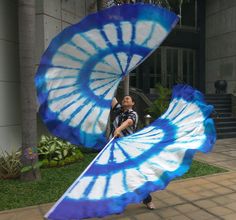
(83, 65)
(131, 167)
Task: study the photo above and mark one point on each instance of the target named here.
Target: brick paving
(202, 198)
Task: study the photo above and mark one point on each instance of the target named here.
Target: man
(125, 123)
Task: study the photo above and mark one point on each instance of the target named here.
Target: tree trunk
(100, 4)
(26, 28)
(126, 85)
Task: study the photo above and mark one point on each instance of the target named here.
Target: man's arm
(127, 123)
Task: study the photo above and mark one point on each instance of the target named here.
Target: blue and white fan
(131, 167)
(82, 67)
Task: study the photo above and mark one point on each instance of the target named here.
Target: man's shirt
(120, 117)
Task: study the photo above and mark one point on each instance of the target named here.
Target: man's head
(128, 102)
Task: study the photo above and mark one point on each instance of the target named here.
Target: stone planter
(220, 86)
(234, 105)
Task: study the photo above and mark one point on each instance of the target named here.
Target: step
(222, 115)
(225, 119)
(226, 129)
(215, 99)
(223, 110)
(218, 95)
(221, 105)
(225, 124)
(226, 135)
(218, 100)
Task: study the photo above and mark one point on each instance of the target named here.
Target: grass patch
(201, 169)
(54, 182)
(16, 194)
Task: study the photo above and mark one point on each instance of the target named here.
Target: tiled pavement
(223, 155)
(202, 198)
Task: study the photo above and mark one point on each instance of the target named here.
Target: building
(52, 16)
(199, 52)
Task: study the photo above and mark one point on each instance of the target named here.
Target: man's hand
(114, 102)
(117, 133)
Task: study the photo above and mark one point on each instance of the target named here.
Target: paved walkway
(202, 198)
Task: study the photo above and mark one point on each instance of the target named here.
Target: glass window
(188, 63)
(152, 82)
(133, 78)
(188, 14)
(185, 66)
(172, 62)
(158, 61)
(175, 66)
(132, 81)
(191, 68)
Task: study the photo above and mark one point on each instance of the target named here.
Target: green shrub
(160, 105)
(78, 155)
(53, 163)
(53, 151)
(10, 165)
(45, 163)
(61, 163)
(70, 160)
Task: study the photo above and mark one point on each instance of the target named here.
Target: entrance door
(188, 66)
(173, 65)
(168, 66)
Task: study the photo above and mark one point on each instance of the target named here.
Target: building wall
(52, 16)
(55, 15)
(220, 43)
(10, 128)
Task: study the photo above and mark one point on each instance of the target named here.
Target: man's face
(127, 102)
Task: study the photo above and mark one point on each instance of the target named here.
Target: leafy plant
(53, 151)
(68, 160)
(160, 105)
(10, 165)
